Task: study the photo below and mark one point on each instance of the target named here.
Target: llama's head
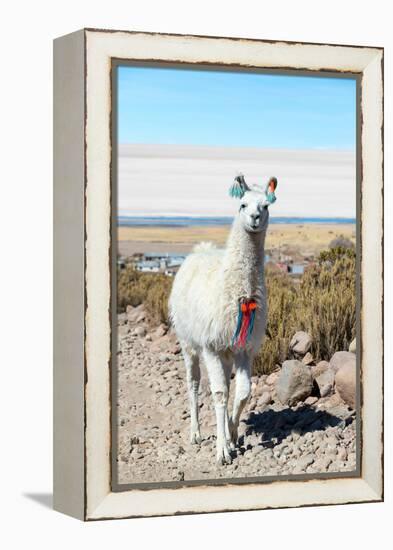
(254, 203)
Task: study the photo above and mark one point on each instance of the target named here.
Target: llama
(218, 310)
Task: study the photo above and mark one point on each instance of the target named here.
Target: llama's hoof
(223, 455)
(195, 438)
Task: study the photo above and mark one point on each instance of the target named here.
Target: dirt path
(153, 420)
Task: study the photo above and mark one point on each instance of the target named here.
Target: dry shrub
(328, 295)
(323, 304)
(151, 289)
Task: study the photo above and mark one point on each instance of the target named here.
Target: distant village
(168, 263)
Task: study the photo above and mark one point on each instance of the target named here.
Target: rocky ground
(296, 421)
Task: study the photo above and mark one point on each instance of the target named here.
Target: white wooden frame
(82, 433)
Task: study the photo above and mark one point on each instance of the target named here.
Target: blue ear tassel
(271, 197)
(238, 187)
(236, 191)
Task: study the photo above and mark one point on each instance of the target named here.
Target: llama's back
(195, 300)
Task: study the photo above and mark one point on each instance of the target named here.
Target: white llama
(218, 310)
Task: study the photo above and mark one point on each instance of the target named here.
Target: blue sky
(179, 106)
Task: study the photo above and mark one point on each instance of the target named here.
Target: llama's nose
(255, 218)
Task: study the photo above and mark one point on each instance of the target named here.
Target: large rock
(341, 358)
(294, 383)
(325, 382)
(346, 384)
(300, 343)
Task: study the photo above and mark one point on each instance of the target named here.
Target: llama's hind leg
(218, 385)
(191, 362)
(242, 392)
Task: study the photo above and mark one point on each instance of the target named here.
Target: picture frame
(83, 271)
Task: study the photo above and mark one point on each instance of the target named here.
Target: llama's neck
(243, 265)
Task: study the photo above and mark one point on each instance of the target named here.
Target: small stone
(342, 453)
(175, 349)
(257, 449)
(264, 388)
(139, 331)
(122, 318)
(352, 346)
(311, 400)
(307, 359)
(322, 464)
(160, 331)
(165, 400)
(272, 378)
(304, 461)
(300, 343)
(325, 382)
(331, 402)
(123, 330)
(265, 399)
(319, 368)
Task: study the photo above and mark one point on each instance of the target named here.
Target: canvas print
(235, 275)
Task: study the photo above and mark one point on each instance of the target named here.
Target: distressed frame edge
(375, 494)
(69, 491)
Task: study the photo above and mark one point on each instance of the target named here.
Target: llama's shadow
(275, 426)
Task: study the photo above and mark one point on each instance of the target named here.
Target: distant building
(297, 269)
(160, 263)
(148, 266)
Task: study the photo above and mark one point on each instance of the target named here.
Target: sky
(180, 106)
(185, 134)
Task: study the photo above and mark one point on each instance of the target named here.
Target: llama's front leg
(219, 389)
(228, 363)
(191, 362)
(242, 392)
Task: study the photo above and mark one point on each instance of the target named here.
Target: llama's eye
(265, 206)
(242, 206)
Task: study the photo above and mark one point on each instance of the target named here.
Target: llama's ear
(238, 187)
(270, 190)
